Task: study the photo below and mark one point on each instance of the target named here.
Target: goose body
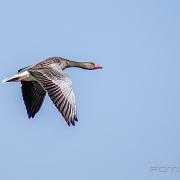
(48, 77)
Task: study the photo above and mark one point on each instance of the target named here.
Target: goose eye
(93, 64)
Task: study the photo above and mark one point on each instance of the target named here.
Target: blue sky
(128, 113)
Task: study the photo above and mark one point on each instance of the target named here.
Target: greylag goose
(48, 76)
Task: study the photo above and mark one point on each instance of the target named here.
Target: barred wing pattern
(59, 88)
(33, 96)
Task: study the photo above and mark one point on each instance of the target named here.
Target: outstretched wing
(59, 88)
(33, 96)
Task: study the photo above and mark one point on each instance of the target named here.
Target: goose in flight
(48, 77)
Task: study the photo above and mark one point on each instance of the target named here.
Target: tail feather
(17, 77)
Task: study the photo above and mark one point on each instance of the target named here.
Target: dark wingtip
(73, 123)
(68, 123)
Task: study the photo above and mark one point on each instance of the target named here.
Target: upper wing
(33, 96)
(59, 88)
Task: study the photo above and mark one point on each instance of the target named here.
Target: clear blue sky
(129, 112)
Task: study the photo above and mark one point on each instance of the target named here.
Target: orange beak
(98, 66)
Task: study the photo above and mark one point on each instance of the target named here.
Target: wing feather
(33, 96)
(60, 91)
